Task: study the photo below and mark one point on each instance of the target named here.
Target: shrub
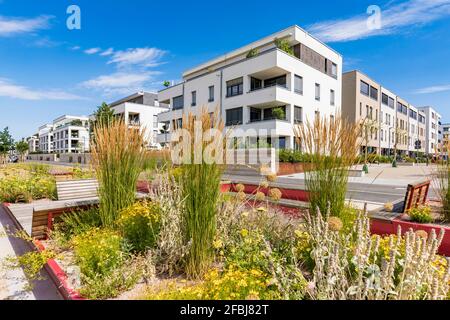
(231, 284)
(117, 156)
(140, 225)
(284, 45)
(421, 214)
(363, 267)
(15, 189)
(75, 223)
(252, 53)
(98, 252)
(442, 180)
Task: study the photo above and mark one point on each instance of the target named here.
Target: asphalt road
(375, 193)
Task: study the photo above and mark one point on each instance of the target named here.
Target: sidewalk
(13, 282)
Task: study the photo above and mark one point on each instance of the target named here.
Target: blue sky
(47, 70)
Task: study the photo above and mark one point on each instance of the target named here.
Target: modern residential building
(445, 129)
(71, 134)
(141, 110)
(272, 84)
(33, 143)
(433, 123)
(46, 138)
(67, 134)
(389, 122)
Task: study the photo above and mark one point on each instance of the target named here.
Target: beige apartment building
(389, 122)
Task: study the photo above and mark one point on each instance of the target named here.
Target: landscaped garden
(188, 240)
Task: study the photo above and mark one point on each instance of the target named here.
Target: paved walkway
(13, 282)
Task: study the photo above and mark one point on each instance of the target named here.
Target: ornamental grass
(117, 157)
(333, 146)
(200, 182)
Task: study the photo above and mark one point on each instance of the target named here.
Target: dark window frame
(239, 116)
(235, 87)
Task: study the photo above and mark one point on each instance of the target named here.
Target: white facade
(246, 89)
(433, 119)
(141, 110)
(33, 143)
(387, 120)
(46, 138)
(71, 134)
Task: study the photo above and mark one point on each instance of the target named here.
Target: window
(360, 109)
(317, 92)
(235, 87)
(211, 94)
(255, 84)
(298, 114)
(391, 102)
(364, 88)
(385, 99)
(178, 102)
(268, 113)
(155, 121)
(234, 116)
(298, 84)
(374, 93)
(334, 70)
(332, 97)
(178, 123)
(278, 81)
(255, 114)
(194, 98)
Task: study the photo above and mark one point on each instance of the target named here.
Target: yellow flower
(217, 244)
(244, 233)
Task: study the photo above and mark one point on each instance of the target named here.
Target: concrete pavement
(14, 282)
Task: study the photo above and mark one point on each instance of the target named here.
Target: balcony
(163, 138)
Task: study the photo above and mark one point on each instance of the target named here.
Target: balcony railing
(269, 86)
(267, 119)
(135, 123)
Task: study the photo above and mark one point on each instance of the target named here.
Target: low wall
(81, 158)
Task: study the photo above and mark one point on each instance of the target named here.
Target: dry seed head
(240, 187)
(272, 177)
(422, 234)
(335, 224)
(241, 196)
(275, 194)
(260, 196)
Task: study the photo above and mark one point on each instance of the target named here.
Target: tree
(166, 84)
(22, 148)
(368, 126)
(104, 115)
(398, 132)
(6, 144)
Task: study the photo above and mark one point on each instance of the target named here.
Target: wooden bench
(72, 195)
(416, 195)
(77, 189)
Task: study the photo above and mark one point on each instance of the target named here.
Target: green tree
(104, 115)
(6, 144)
(22, 148)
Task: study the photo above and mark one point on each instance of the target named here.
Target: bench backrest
(416, 195)
(77, 189)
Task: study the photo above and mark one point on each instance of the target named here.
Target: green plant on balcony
(166, 84)
(284, 45)
(252, 53)
(279, 114)
(77, 123)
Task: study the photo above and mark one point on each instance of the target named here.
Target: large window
(268, 113)
(298, 84)
(399, 107)
(178, 102)
(194, 98)
(278, 81)
(374, 93)
(332, 97)
(385, 99)
(234, 117)
(235, 87)
(317, 92)
(211, 94)
(334, 70)
(298, 114)
(364, 88)
(391, 103)
(255, 84)
(255, 114)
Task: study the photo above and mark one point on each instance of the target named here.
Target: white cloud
(92, 50)
(107, 52)
(11, 90)
(145, 57)
(433, 89)
(121, 81)
(10, 26)
(75, 48)
(396, 18)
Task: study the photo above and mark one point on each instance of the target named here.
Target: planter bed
(288, 168)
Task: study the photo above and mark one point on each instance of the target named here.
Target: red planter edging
(59, 277)
(289, 194)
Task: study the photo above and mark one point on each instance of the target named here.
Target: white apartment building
(33, 143)
(387, 121)
(433, 119)
(261, 86)
(141, 110)
(71, 134)
(46, 138)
